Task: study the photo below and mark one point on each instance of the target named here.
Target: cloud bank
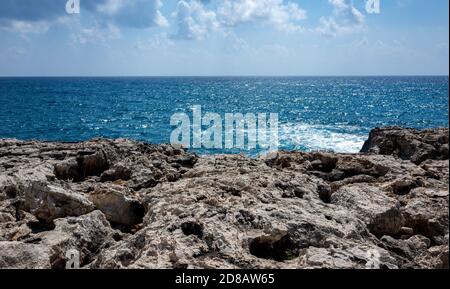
(193, 19)
(27, 16)
(197, 18)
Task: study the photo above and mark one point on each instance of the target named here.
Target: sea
(315, 113)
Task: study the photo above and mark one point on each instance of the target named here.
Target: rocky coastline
(126, 204)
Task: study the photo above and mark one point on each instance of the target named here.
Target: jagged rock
(119, 172)
(8, 188)
(361, 257)
(438, 170)
(410, 248)
(403, 186)
(410, 144)
(352, 180)
(87, 163)
(427, 212)
(118, 206)
(324, 162)
(68, 170)
(178, 210)
(15, 224)
(145, 179)
(92, 163)
(7, 211)
(357, 165)
(49, 202)
(406, 231)
(435, 258)
(18, 255)
(87, 235)
(380, 212)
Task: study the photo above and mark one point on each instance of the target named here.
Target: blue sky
(228, 37)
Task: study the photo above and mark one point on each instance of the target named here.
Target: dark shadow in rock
(192, 228)
(58, 263)
(325, 193)
(245, 217)
(279, 248)
(402, 188)
(116, 173)
(117, 237)
(87, 163)
(127, 229)
(323, 162)
(300, 192)
(41, 226)
(423, 226)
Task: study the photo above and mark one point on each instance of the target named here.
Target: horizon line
(218, 75)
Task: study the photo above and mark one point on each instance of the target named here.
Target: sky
(228, 37)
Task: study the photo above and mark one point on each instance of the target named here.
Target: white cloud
(194, 20)
(197, 18)
(109, 16)
(273, 12)
(136, 13)
(345, 19)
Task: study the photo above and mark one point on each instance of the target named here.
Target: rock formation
(126, 204)
(409, 144)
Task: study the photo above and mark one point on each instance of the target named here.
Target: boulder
(86, 235)
(118, 206)
(118, 172)
(380, 213)
(68, 170)
(49, 202)
(426, 212)
(87, 163)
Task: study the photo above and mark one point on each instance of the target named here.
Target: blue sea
(315, 113)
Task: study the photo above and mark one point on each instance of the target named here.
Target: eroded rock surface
(126, 204)
(410, 144)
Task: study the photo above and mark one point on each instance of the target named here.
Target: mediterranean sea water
(315, 113)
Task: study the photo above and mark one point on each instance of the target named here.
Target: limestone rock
(118, 207)
(87, 235)
(380, 212)
(410, 144)
(119, 172)
(18, 255)
(127, 204)
(8, 187)
(49, 202)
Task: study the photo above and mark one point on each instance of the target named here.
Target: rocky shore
(126, 204)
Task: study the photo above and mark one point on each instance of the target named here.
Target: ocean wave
(309, 137)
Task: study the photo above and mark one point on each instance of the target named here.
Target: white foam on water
(339, 139)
